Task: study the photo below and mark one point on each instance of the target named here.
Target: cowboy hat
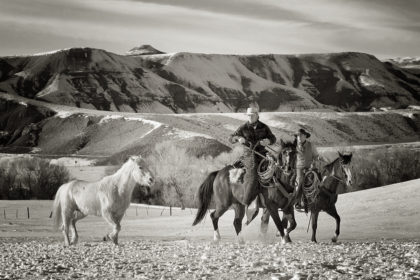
(304, 132)
(251, 111)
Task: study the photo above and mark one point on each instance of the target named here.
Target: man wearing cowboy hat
(251, 133)
(254, 132)
(306, 154)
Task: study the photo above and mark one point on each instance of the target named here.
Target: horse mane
(329, 167)
(289, 144)
(124, 170)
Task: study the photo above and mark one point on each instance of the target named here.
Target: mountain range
(147, 80)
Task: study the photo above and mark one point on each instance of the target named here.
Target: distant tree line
(30, 178)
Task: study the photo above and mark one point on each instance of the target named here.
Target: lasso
(266, 176)
(311, 191)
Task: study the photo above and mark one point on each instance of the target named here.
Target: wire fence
(15, 212)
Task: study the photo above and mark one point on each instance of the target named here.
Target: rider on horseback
(258, 135)
(254, 132)
(306, 155)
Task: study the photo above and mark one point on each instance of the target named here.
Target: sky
(384, 28)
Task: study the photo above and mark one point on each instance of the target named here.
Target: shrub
(178, 174)
(30, 178)
(379, 168)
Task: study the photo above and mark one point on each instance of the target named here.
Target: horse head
(345, 160)
(287, 155)
(141, 174)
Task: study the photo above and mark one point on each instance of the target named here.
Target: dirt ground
(380, 239)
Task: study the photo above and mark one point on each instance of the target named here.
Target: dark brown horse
(325, 196)
(335, 173)
(285, 176)
(226, 193)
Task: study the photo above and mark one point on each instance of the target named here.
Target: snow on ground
(50, 52)
(368, 81)
(73, 161)
(63, 114)
(379, 240)
(106, 118)
(184, 134)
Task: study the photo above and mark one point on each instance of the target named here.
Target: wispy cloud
(381, 27)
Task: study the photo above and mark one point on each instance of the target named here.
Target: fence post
(147, 210)
(50, 214)
(17, 210)
(27, 208)
(136, 211)
(4, 213)
(170, 210)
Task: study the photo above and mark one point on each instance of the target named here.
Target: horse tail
(56, 210)
(205, 192)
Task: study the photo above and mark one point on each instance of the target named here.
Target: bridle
(340, 179)
(285, 167)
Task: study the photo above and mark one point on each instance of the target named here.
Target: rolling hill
(27, 124)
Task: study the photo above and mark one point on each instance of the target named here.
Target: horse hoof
(287, 239)
(334, 239)
(314, 241)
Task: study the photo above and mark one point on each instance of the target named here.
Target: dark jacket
(253, 133)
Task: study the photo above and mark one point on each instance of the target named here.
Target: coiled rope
(311, 190)
(266, 176)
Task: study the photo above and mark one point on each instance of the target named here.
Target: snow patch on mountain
(185, 134)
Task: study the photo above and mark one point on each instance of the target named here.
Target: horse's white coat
(109, 197)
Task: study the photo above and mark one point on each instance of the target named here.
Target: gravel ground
(182, 259)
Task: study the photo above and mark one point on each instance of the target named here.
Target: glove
(241, 140)
(265, 142)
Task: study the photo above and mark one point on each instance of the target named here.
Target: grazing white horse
(109, 197)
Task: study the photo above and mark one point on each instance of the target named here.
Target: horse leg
(332, 211)
(215, 215)
(113, 221)
(314, 217)
(274, 213)
(65, 228)
(237, 222)
(264, 222)
(117, 228)
(289, 217)
(77, 216)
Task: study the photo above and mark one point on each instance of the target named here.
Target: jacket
(253, 133)
(305, 155)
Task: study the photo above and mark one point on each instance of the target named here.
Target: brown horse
(285, 176)
(238, 194)
(325, 196)
(335, 173)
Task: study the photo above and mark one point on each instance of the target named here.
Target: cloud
(213, 26)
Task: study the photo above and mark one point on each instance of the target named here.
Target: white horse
(109, 197)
